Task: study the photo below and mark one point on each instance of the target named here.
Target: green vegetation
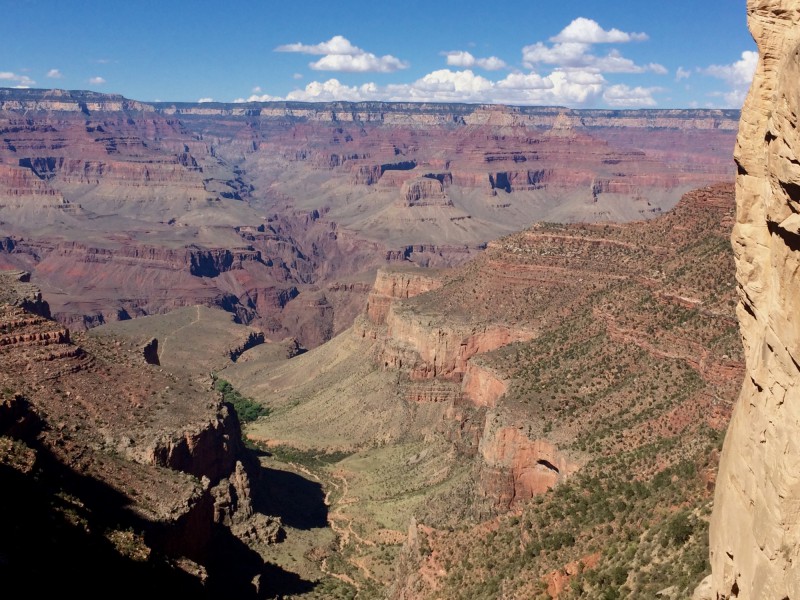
(633, 535)
(247, 409)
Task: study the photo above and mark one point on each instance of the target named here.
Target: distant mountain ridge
(459, 113)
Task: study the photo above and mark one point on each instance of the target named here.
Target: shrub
(247, 409)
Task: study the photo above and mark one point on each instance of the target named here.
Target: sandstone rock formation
(755, 530)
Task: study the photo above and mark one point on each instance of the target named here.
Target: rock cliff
(755, 529)
(152, 460)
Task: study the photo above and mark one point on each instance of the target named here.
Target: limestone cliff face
(755, 529)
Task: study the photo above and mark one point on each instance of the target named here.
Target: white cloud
(339, 54)
(97, 81)
(491, 63)
(447, 84)
(577, 55)
(55, 74)
(573, 88)
(297, 76)
(575, 76)
(737, 75)
(460, 58)
(525, 81)
(204, 100)
(587, 31)
(332, 89)
(258, 98)
(572, 49)
(623, 95)
(464, 59)
(20, 81)
(336, 45)
(682, 73)
(359, 63)
(256, 89)
(568, 54)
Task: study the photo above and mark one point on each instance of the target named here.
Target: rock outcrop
(755, 528)
(140, 448)
(515, 468)
(396, 284)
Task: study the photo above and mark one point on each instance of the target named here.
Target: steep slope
(585, 365)
(123, 474)
(755, 532)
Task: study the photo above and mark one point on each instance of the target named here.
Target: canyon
(497, 347)
(478, 403)
(281, 213)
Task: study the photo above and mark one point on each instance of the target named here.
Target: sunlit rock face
(755, 530)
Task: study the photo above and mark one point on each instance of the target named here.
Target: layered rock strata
(122, 208)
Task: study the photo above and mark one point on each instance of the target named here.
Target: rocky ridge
(151, 466)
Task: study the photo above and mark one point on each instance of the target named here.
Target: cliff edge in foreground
(755, 530)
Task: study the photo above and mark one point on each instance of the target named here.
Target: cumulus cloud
(332, 89)
(682, 73)
(97, 81)
(737, 75)
(339, 54)
(525, 81)
(587, 31)
(565, 70)
(258, 98)
(572, 49)
(19, 81)
(573, 88)
(204, 100)
(459, 58)
(336, 45)
(55, 74)
(577, 55)
(464, 59)
(623, 95)
(359, 63)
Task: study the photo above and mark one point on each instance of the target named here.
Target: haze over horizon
(575, 54)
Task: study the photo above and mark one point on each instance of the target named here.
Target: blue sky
(581, 53)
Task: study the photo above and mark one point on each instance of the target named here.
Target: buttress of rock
(755, 527)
